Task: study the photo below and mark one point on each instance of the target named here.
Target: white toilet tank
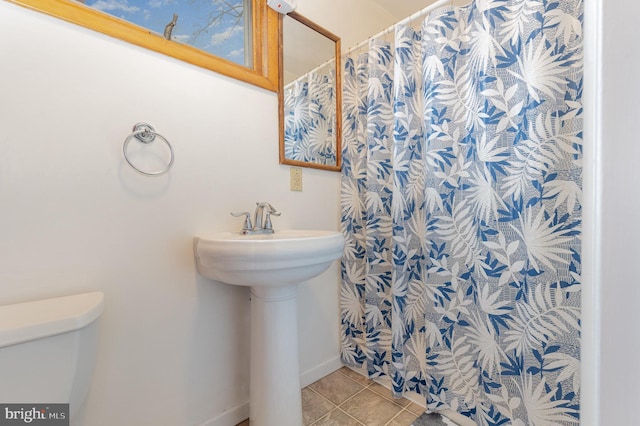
(47, 349)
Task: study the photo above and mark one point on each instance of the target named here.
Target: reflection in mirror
(310, 98)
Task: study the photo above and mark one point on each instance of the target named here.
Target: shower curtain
(461, 208)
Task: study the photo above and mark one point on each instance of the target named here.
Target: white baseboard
(231, 417)
(237, 414)
(320, 371)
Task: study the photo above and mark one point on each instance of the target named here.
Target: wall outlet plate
(295, 179)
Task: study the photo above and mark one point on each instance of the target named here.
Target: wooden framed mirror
(310, 95)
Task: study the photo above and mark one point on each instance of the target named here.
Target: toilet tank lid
(22, 322)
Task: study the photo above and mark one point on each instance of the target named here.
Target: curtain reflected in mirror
(310, 98)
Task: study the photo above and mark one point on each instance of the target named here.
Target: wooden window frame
(265, 32)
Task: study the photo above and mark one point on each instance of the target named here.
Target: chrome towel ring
(145, 133)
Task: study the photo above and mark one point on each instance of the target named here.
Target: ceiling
(401, 9)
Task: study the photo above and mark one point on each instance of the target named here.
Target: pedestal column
(275, 369)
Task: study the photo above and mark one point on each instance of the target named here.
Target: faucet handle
(267, 220)
(247, 220)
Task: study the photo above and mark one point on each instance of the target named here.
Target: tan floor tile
(314, 406)
(370, 408)
(337, 418)
(415, 408)
(386, 393)
(336, 387)
(405, 418)
(355, 376)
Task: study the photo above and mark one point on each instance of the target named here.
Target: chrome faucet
(261, 219)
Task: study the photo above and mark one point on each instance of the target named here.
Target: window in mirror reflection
(219, 27)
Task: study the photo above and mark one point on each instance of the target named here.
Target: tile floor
(346, 398)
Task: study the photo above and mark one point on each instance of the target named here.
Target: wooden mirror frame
(338, 95)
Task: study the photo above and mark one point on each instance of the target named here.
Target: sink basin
(280, 259)
(272, 265)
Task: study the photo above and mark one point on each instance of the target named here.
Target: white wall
(352, 20)
(617, 283)
(75, 218)
(173, 346)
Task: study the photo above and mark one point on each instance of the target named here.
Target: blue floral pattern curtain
(309, 116)
(461, 206)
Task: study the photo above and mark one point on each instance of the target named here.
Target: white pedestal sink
(272, 265)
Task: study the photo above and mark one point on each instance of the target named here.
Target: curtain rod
(418, 14)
